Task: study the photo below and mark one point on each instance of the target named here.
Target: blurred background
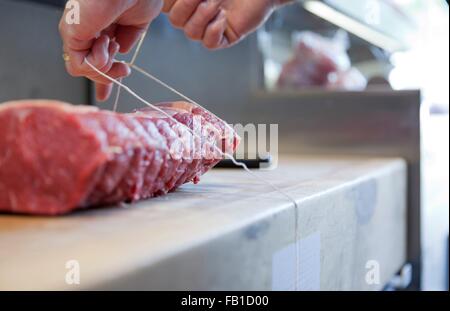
(355, 77)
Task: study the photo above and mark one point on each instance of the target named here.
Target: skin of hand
(106, 28)
(219, 23)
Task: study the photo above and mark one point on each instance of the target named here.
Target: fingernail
(113, 49)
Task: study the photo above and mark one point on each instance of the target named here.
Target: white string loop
(133, 60)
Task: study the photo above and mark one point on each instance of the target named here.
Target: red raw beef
(55, 157)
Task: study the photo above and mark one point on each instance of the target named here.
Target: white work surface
(230, 232)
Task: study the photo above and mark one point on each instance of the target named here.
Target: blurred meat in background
(318, 61)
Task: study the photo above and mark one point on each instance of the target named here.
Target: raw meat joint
(55, 157)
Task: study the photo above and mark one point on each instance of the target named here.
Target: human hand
(219, 23)
(106, 28)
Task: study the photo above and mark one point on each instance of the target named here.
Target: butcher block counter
(230, 232)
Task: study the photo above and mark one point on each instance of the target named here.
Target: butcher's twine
(225, 154)
(135, 55)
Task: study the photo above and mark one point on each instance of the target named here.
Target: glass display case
(346, 45)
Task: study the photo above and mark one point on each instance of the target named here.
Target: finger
(103, 91)
(113, 50)
(195, 27)
(118, 70)
(128, 36)
(98, 56)
(181, 11)
(168, 4)
(214, 34)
